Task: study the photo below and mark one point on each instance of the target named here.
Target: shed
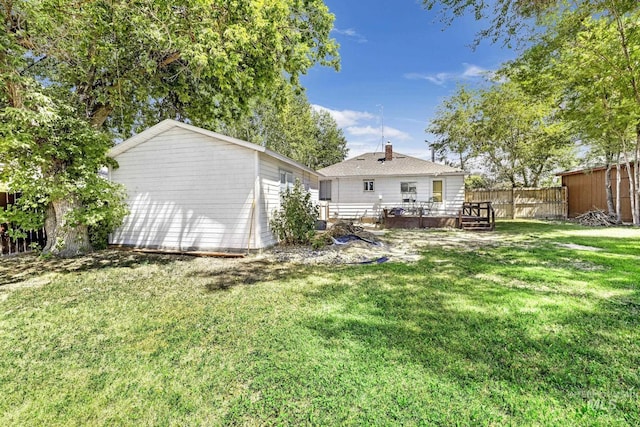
(191, 189)
(586, 191)
(364, 185)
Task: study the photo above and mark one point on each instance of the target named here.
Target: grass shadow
(19, 268)
(249, 273)
(557, 344)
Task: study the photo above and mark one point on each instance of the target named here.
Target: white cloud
(473, 71)
(394, 133)
(389, 132)
(350, 32)
(345, 118)
(441, 79)
(362, 130)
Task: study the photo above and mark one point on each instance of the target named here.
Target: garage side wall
(271, 187)
(187, 191)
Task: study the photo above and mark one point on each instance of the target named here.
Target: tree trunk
(632, 192)
(636, 177)
(618, 188)
(607, 185)
(64, 239)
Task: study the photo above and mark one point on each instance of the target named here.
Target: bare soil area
(29, 270)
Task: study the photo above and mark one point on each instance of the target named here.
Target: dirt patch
(29, 270)
(396, 245)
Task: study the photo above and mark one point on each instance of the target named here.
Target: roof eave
(370, 175)
(291, 162)
(167, 124)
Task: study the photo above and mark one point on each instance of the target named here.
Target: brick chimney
(388, 152)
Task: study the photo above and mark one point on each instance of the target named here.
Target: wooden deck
(477, 216)
(416, 221)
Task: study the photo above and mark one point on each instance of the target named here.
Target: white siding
(270, 190)
(454, 192)
(187, 191)
(270, 179)
(349, 200)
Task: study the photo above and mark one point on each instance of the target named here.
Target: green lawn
(541, 329)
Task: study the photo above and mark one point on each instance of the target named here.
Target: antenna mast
(381, 127)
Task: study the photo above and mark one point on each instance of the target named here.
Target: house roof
(588, 170)
(168, 124)
(371, 165)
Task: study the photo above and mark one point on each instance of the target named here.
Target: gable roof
(369, 165)
(168, 124)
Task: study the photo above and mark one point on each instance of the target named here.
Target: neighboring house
(586, 191)
(364, 185)
(192, 189)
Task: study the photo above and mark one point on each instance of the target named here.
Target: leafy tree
(515, 134)
(287, 124)
(454, 128)
(519, 136)
(508, 18)
(587, 49)
(523, 20)
(330, 143)
(591, 59)
(78, 68)
(602, 73)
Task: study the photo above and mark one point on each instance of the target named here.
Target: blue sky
(398, 62)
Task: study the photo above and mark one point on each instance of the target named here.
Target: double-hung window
(286, 180)
(409, 191)
(325, 190)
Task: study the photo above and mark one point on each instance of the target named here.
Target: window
(368, 185)
(325, 190)
(286, 179)
(409, 191)
(408, 187)
(436, 194)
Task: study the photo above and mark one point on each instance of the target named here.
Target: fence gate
(539, 203)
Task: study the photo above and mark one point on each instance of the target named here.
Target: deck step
(477, 226)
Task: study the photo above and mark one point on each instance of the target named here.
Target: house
(192, 189)
(586, 191)
(364, 185)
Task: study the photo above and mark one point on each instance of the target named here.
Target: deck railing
(477, 216)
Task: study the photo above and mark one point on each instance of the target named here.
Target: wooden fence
(541, 203)
(12, 246)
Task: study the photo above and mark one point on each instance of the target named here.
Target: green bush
(295, 222)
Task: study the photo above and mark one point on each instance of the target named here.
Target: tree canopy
(75, 69)
(515, 134)
(287, 124)
(585, 60)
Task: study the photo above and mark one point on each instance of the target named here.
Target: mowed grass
(542, 328)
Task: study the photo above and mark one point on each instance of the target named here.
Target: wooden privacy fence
(542, 203)
(9, 245)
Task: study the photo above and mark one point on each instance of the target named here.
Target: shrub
(295, 222)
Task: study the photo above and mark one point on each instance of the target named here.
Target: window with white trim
(286, 179)
(325, 190)
(409, 191)
(409, 187)
(437, 191)
(368, 185)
